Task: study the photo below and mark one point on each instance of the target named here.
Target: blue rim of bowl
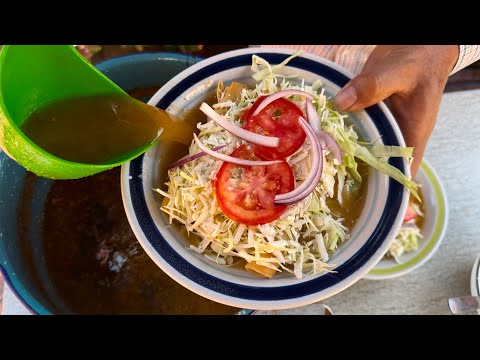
(253, 293)
(188, 59)
(26, 298)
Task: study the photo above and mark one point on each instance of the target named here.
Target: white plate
(433, 230)
(475, 278)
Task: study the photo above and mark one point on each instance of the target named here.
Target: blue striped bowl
(380, 220)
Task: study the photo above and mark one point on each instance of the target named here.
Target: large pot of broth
(66, 246)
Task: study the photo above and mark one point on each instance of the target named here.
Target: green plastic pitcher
(34, 75)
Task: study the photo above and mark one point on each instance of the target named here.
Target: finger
(416, 122)
(417, 160)
(374, 84)
(417, 140)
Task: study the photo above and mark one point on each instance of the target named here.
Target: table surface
(451, 151)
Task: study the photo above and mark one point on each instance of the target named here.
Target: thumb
(372, 85)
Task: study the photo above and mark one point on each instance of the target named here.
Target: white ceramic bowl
(384, 209)
(433, 229)
(475, 279)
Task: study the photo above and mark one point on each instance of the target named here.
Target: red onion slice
(251, 137)
(310, 188)
(269, 99)
(323, 137)
(332, 145)
(317, 159)
(232, 159)
(193, 157)
(312, 115)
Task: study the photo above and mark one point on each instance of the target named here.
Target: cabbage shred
(407, 238)
(303, 238)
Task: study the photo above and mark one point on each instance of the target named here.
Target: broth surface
(101, 129)
(95, 260)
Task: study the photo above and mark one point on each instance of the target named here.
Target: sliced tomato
(246, 194)
(248, 113)
(280, 119)
(410, 214)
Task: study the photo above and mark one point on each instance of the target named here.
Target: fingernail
(346, 98)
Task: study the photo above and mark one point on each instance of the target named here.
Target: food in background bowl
(410, 233)
(275, 180)
(168, 243)
(427, 229)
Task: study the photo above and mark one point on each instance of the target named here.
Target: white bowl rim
(475, 278)
(394, 224)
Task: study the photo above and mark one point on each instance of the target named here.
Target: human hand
(411, 79)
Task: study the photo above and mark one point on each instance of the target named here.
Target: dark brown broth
(95, 261)
(92, 256)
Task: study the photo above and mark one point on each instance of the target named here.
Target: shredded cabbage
(302, 239)
(406, 241)
(391, 151)
(407, 238)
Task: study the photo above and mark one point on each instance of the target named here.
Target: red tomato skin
(228, 199)
(410, 214)
(286, 126)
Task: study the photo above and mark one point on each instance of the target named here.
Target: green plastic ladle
(34, 75)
